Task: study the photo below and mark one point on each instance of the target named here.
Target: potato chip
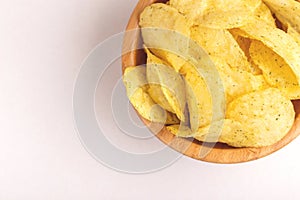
(287, 10)
(263, 13)
(280, 42)
(199, 99)
(192, 9)
(158, 97)
(261, 83)
(134, 79)
(171, 58)
(163, 27)
(267, 114)
(292, 32)
(181, 131)
(238, 82)
(160, 15)
(167, 86)
(218, 14)
(155, 90)
(244, 44)
(226, 131)
(275, 70)
(287, 27)
(214, 41)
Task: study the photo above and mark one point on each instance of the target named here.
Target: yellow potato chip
(238, 82)
(266, 114)
(180, 131)
(171, 58)
(226, 131)
(217, 13)
(163, 27)
(199, 99)
(134, 79)
(275, 70)
(215, 41)
(280, 42)
(192, 9)
(158, 97)
(263, 13)
(261, 82)
(167, 86)
(155, 90)
(286, 11)
(292, 32)
(244, 44)
(160, 15)
(205, 99)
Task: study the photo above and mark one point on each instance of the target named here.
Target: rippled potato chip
(263, 13)
(134, 79)
(218, 14)
(215, 41)
(163, 27)
(244, 44)
(238, 82)
(155, 90)
(192, 9)
(172, 58)
(181, 131)
(292, 32)
(203, 86)
(254, 120)
(167, 86)
(286, 11)
(277, 40)
(226, 131)
(267, 114)
(199, 99)
(275, 70)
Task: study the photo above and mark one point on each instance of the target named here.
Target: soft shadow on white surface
(98, 67)
(116, 113)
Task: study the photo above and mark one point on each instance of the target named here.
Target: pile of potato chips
(219, 70)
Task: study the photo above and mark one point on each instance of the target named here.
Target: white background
(42, 44)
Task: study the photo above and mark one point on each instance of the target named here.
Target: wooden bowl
(220, 153)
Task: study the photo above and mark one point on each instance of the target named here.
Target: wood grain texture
(220, 153)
